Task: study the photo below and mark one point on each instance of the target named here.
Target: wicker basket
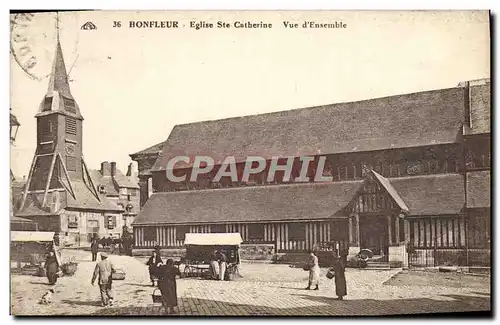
(69, 268)
(118, 275)
(156, 295)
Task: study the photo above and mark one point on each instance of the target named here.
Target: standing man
(94, 246)
(103, 270)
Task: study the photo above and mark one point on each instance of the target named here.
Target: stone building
(411, 179)
(122, 189)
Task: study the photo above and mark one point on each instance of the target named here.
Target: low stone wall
(257, 251)
(165, 252)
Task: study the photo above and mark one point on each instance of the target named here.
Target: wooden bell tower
(58, 161)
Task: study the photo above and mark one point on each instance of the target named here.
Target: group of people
(338, 270)
(122, 245)
(218, 266)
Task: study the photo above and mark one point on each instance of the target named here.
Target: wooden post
(357, 239)
(53, 162)
(67, 176)
(28, 183)
(389, 230)
(396, 230)
(351, 239)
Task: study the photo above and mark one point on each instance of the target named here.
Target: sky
(133, 85)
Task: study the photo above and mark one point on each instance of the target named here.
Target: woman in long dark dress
(168, 285)
(153, 264)
(340, 283)
(51, 267)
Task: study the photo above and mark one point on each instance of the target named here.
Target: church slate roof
(478, 189)
(431, 195)
(260, 203)
(84, 200)
(417, 119)
(153, 150)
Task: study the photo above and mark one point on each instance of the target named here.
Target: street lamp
(14, 126)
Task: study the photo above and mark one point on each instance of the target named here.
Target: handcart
(200, 248)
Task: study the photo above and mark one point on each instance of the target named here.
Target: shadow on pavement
(139, 285)
(465, 305)
(44, 283)
(293, 288)
(82, 303)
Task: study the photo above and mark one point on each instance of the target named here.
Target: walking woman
(313, 266)
(51, 267)
(168, 285)
(153, 264)
(340, 283)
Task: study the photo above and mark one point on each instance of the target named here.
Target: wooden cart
(200, 247)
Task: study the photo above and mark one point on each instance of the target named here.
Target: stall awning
(31, 236)
(221, 239)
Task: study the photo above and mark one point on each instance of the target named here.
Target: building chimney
(113, 168)
(129, 170)
(105, 169)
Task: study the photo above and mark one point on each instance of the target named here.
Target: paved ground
(265, 289)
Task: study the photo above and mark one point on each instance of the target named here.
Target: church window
(70, 125)
(72, 221)
(111, 222)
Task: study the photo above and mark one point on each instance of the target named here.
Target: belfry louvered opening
(70, 125)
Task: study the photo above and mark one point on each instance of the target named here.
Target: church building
(410, 180)
(59, 194)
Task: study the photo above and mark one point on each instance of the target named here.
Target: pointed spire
(59, 77)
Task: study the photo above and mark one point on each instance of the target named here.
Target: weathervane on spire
(57, 26)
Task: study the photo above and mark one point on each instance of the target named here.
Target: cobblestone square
(265, 289)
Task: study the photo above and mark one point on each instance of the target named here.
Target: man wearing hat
(103, 270)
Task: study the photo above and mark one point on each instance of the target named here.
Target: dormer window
(102, 189)
(69, 105)
(47, 104)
